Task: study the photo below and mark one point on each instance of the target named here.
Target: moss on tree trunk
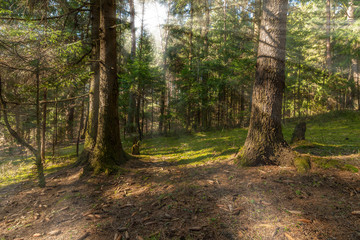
(108, 151)
(265, 144)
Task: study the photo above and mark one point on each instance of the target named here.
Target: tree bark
(354, 71)
(38, 160)
(108, 150)
(328, 38)
(70, 121)
(257, 22)
(265, 144)
(93, 115)
(43, 129)
(55, 133)
(132, 95)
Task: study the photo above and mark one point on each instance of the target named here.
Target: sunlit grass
(14, 169)
(327, 135)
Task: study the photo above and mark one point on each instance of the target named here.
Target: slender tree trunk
(354, 71)
(39, 162)
(328, 37)
(265, 144)
(81, 126)
(43, 135)
(93, 113)
(108, 150)
(55, 129)
(132, 95)
(205, 74)
(70, 114)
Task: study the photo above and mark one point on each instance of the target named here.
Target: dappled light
(179, 120)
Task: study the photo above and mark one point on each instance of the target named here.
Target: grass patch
(331, 134)
(195, 149)
(18, 168)
(328, 135)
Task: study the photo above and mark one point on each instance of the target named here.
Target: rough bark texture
(108, 150)
(92, 122)
(265, 144)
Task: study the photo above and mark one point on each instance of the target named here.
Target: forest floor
(188, 187)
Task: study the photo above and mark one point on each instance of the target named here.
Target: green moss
(351, 168)
(326, 163)
(302, 164)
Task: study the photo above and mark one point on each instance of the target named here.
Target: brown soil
(156, 200)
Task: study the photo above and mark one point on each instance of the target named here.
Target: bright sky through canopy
(154, 17)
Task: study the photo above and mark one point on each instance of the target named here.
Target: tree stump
(135, 149)
(299, 132)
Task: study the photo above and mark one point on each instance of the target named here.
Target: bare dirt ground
(157, 200)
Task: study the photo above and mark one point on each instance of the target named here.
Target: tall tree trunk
(55, 133)
(81, 125)
(43, 130)
(140, 87)
(190, 75)
(205, 74)
(265, 144)
(93, 114)
(354, 71)
(257, 22)
(70, 114)
(132, 95)
(38, 160)
(328, 32)
(164, 90)
(108, 150)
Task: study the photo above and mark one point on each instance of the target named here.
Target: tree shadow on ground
(325, 150)
(213, 201)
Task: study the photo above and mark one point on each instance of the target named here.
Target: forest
(179, 119)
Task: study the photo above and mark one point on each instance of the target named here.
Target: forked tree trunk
(265, 144)
(108, 150)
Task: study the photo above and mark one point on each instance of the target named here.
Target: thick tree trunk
(257, 22)
(108, 150)
(265, 144)
(93, 115)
